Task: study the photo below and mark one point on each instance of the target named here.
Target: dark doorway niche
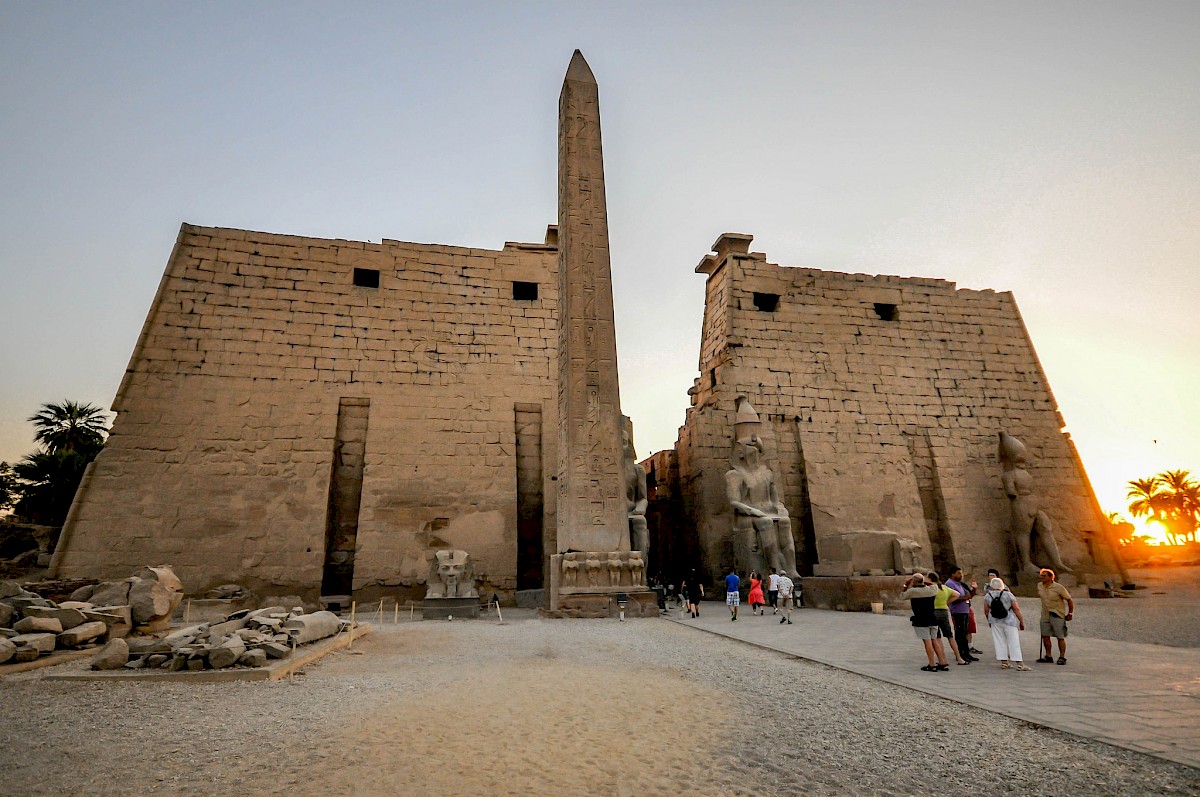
(766, 302)
(366, 277)
(530, 502)
(345, 495)
(525, 291)
(886, 312)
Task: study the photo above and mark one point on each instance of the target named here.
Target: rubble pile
(244, 638)
(32, 625)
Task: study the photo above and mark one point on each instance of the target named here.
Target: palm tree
(1181, 502)
(48, 484)
(70, 427)
(1121, 527)
(1148, 499)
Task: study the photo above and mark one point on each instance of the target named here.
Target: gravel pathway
(543, 707)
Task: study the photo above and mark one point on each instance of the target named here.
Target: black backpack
(998, 609)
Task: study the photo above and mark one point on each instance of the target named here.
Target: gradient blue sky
(1051, 149)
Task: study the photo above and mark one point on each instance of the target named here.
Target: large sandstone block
(113, 656)
(42, 643)
(7, 649)
(38, 625)
(149, 600)
(69, 618)
(81, 634)
(108, 593)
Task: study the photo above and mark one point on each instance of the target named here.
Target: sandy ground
(1166, 612)
(543, 707)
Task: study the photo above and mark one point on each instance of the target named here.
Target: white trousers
(1007, 642)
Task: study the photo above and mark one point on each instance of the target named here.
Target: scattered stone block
(82, 594)
(195, 664)
(113, 656)
(38, 625)
(6, 613)
(276, 650)
(42, 643)
(253, 658)
(68, 617)
(81, 634)
(227, 653)
(10, 588)
(80, 605)
(26, 654)
(7, 649)
(307, 628)
(156, 660)
(108, 593)
(150, 601)
(22, 602)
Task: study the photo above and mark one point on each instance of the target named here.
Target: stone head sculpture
(451, 575)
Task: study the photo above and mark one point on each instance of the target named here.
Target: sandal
(1061, 659)
(1019, 667)
(1045, 660)
(1004, 665)
(927, 668)
(942, 668)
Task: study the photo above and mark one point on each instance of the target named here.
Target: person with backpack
(1005, 619)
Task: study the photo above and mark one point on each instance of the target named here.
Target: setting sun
(1151, 528)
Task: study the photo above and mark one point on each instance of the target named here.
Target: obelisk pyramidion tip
(579, 71)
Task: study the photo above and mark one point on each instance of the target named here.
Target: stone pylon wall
(881, 399)
(221, 456)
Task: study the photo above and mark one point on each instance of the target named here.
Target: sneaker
(976, 651)
(790, 622)
(782, 620)
(1062, 659)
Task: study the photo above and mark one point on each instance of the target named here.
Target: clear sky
(1050, 149)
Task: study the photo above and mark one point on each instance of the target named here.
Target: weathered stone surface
(163, 574)
(113, 656)
(110, 615)
(68, 618)
(227, 653)
(10, 588)
(25, 601)
(7, 649)
(149, 600)
(311, 627)
(84, 593)
(253, 658)
(42, 643)
(6, 613)
(80, 634)
(195, 664)
(276, 650)
(38, 625)
(26, 653)
(108, 593)
(591, 486)
(72, 604)
(157, 660)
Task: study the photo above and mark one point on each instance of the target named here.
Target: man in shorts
(787, 592)
(773, 591)
(732, 597)
(1057, 611)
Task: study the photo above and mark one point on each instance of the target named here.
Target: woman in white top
(1004, 629)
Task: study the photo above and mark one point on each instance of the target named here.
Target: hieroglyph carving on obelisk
(591, 487)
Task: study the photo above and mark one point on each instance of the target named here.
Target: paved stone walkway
(1141, 697)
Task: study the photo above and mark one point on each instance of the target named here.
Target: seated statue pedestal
(445, 608)
(852, 593)
(587, 584)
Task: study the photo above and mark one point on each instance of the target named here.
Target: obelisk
(591, 488)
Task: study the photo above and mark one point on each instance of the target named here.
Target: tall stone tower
(594, 559)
